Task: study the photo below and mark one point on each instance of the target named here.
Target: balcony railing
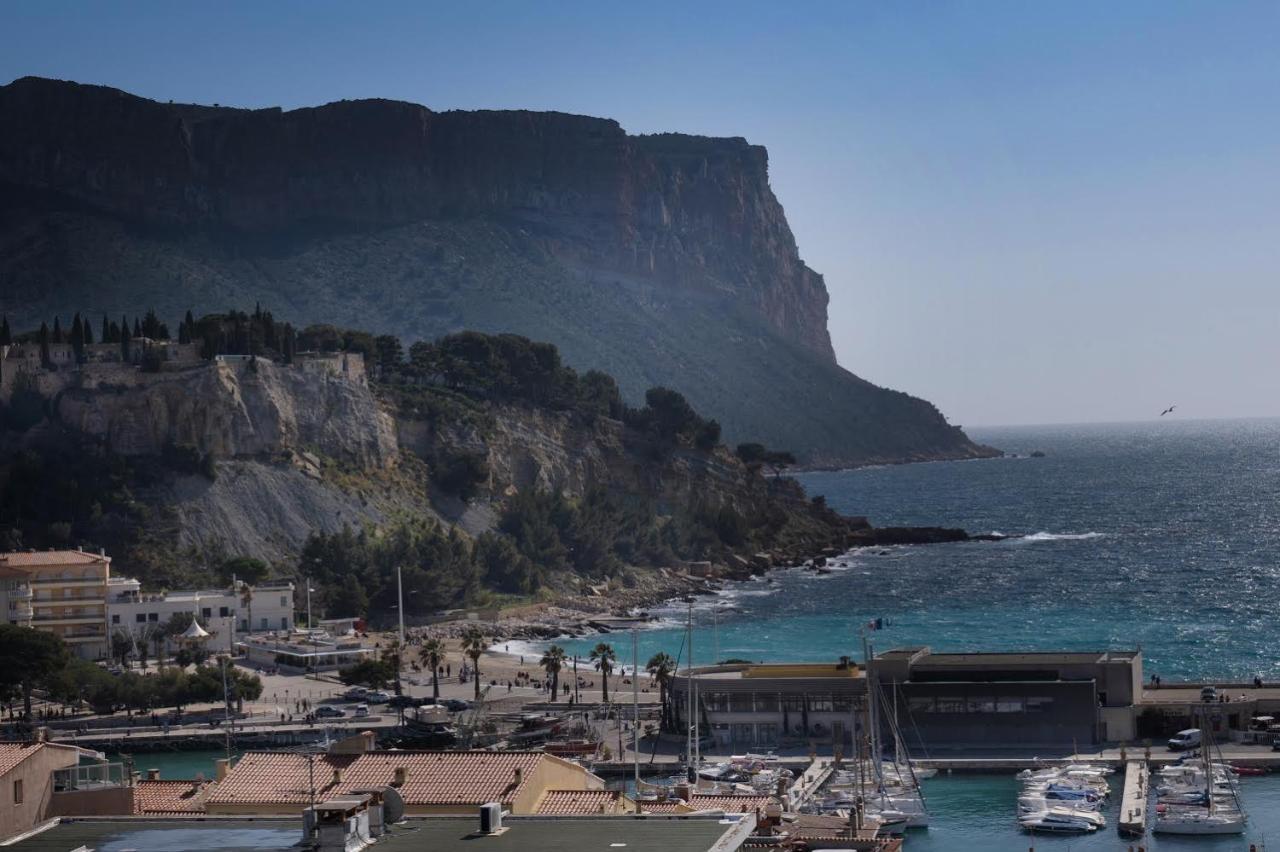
(21, 593)
(59, 581)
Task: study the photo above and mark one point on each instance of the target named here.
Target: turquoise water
(971, 813)
(176, 765)
(1162, 535)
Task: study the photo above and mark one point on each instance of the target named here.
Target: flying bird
(1168, 410)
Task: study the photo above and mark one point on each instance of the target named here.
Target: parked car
(362, 710)
(1208, 694)
(457, 705)
(327, 712)
(355, 693)
(1183, 740)
(377, 696)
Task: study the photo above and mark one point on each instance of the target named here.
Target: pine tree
(45, 360)
(57, 331)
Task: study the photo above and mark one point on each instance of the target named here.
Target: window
(1009, 705)
(716, 702)
(842, 703)
(1039, 705)
(115, 618)
(766, 702)
(223, 611)
(17, 792)
(950, 705)
(284, 602)
(793, 703)
(284, 622)
(206, 612)
(820, 704)
(263, 624)
(141, 618)
(740, 702)
(767, 734)
(982, 705)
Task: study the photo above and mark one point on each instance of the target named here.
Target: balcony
(80, 618)
(21, 612)
(45, 582)
(22, 593)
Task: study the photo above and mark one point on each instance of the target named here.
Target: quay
(184, 737)
(1133, 805)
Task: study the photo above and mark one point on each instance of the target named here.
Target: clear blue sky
(1025, 212)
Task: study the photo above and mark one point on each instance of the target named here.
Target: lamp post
(311, 637)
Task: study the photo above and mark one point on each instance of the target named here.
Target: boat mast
(635, 704)
(688, 722)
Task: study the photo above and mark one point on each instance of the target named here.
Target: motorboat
(1062, 821)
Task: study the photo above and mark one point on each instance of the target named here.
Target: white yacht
(1062, 821)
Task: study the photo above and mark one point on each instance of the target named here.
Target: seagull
(1168, 410)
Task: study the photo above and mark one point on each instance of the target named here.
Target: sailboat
(893, 792)
(1215, 812)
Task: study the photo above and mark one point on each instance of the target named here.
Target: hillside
(663, 260)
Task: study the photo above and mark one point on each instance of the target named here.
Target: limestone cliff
(664, 260)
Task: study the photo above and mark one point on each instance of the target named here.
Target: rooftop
(13, 753)
(434, 777)
(583, 803)
(439, 834)
(169, 797)
(46, 558)
(833, 671)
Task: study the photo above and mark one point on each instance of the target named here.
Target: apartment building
(227, 613)
(63, 592)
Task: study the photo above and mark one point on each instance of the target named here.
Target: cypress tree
(88, 333)
(57, 331)
(137, 328)
(45, 360)
(124, 339)
(77, 338)
(106, 330)
(5, 337)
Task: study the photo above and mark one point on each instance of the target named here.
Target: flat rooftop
(923, 656)
(833, 671)
(439, 834)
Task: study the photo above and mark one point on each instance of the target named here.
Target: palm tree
(246, 600)
(552, 661)
(661, 667)
(605, 657)
(473, 645)
(432, 655)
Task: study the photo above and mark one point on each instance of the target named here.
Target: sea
(1162, 536)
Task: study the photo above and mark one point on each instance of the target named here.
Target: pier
(810, 781)
(1133, 805)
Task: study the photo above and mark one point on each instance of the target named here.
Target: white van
(362, 710)
(1183, 740)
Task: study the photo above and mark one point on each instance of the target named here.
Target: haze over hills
(664, 260)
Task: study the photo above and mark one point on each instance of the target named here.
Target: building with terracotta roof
(585, 803)
(26, 782)
(170, 798)
(63, 592)
(430, 782)
(733, 804)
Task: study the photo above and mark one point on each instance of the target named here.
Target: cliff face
(663, 260)
(697, 212)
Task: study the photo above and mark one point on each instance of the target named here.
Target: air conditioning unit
(491, 818)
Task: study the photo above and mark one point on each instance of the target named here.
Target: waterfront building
(63, 592)
(429, 782)
(296, 652)
(936, 700)
(1027, 699)
(769, 706)
(224, 611)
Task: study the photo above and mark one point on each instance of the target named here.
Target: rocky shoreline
(610, 607)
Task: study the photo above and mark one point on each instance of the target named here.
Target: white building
(302, 651)
(224, 611)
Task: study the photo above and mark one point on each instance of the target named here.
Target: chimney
(519, 775)
(220, 769)
(153, 774)
(401, 776)
(337, 776)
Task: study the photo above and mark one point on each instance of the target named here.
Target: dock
(1133, 805)
(810, 781)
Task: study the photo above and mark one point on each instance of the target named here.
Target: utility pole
(400, 608)
(576, 700)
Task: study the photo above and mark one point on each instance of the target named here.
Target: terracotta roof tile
(664, 806)
(435, 777)
(579, 802)
(702, 802)
(41, 558)
(169, 797)
(11, 754)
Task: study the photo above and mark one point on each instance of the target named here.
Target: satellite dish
(392, 805)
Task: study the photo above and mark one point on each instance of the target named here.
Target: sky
(1024, 212)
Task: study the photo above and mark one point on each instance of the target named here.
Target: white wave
(1048, 536)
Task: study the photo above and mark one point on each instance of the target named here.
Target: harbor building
(1029, 699)
(302, 651)
(236, 610)
(63, 592)
(936, 700)
(774, 705)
